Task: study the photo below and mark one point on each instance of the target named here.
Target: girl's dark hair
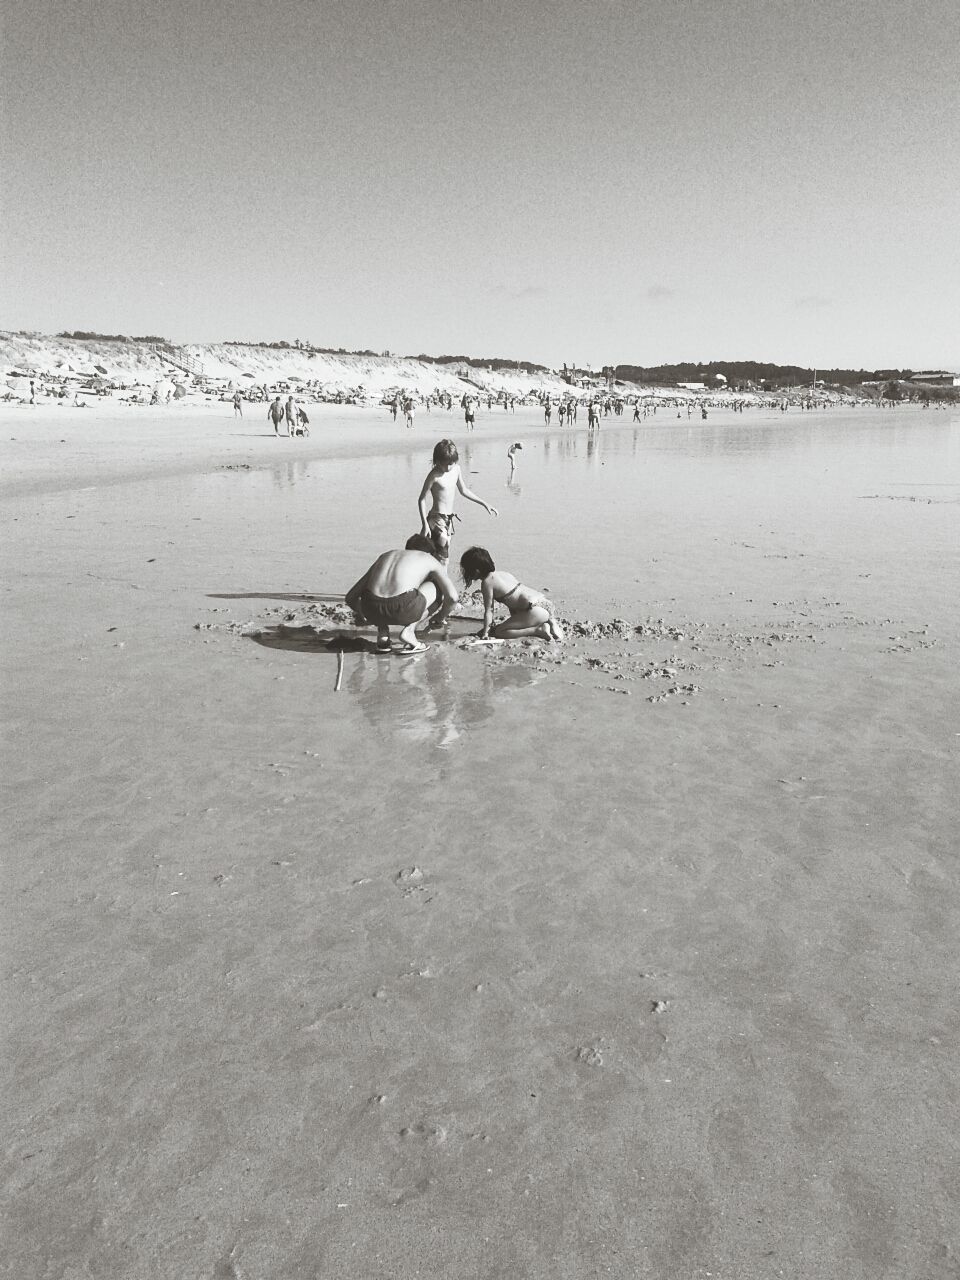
(444, 451)
(475, 564)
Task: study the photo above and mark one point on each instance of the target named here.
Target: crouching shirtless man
(407, 589)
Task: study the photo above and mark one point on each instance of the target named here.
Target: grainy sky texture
(603, 182)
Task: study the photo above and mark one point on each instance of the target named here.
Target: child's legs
(440, 537)
(526, 622)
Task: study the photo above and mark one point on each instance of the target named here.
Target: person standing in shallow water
(275, 415)
(444, 481)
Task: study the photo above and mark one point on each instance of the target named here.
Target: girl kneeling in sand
(531, 613)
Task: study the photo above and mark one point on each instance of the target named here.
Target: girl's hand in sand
(492, 510)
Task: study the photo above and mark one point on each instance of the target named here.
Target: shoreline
(103, 447)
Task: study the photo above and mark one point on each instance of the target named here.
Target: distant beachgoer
(531, 612)
(409, 409)
(275, 415)
(593, 415)
(406, 589)
(395, 406)
(561, 413)
(512, 454)
(33, 392)
(444, 481)
(237, 405)
(290, 414)
(303, 421)
(547, 411)
(636, 411)
(469, 407)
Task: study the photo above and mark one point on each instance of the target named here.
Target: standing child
(444, 481)
(531, 613)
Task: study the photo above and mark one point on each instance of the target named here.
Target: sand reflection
(435, 698)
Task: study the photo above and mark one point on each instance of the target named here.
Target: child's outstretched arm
(473, 497)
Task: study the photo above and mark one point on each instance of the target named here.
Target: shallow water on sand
(664, 984)
(684, 512)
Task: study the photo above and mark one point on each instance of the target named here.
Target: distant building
(938, 378)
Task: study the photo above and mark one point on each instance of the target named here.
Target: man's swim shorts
(393, 611)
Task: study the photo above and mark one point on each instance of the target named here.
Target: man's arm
(472, 497)
(441, 580)
(352, 598)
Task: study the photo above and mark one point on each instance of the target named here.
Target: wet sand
(633, 958)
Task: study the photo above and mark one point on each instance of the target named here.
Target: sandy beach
(635, 957)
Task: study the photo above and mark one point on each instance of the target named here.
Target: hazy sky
(605, 182)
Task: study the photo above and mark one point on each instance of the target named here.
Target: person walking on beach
(593, 416)
(290, 414)
(469, 407)
(409, 409)
(408, 589)
(547, 411)
(275, 415)
(237, 405)
(444, 481)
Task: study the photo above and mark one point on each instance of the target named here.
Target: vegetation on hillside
(740, 372)
(81, 335)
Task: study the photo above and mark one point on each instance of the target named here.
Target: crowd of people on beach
(411, 587)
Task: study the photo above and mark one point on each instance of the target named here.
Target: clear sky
(590, 181)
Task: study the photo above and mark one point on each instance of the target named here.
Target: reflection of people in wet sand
(432, 702)
(531, 613)
(406, 589)
(443, 482)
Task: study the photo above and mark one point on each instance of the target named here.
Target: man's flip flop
(411, 648)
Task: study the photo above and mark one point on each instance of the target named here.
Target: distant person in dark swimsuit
(407, 589)
(469, 407)
(275, 415)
